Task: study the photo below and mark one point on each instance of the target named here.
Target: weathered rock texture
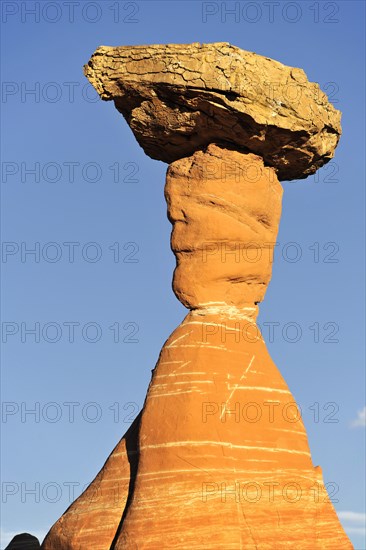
(225, 208)
(91, 521)
(218, 459)
(179, 98)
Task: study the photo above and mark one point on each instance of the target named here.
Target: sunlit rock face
(178, 98)
(218, 459)
(225, 208)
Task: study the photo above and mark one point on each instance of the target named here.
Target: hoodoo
(219, 457)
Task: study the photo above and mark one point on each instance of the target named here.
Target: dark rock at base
(24, 541)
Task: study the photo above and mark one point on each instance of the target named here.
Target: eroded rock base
(223, 460)
(219, 457)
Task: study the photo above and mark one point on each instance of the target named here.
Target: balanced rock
(180, 98)
(218, 459)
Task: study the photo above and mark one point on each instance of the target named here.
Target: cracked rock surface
(178, 98)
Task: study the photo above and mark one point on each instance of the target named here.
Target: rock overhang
(179, 98)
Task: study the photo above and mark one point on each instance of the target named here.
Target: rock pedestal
(219, 457)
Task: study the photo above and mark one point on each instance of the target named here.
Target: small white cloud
(355, 530)
(354, 517)
(354, 523)
(360, 421)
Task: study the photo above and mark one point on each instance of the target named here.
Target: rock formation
(218, 458)
(24, 541)
(180, 98)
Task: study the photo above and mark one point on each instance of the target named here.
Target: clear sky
(102, 307)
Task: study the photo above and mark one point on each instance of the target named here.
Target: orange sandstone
(219, 457)
(225, 208)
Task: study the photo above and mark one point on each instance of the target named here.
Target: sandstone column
(218, 458)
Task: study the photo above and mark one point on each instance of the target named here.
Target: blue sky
(101, 305)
